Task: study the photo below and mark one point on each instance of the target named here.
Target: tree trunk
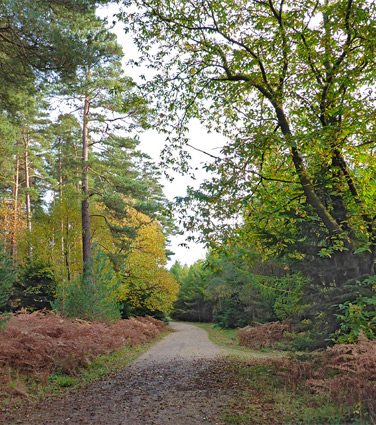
(86, 242)
(77, 169)
(27, 185)
(13, 242)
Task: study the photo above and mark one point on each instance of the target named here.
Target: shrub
(7, 278)
(35, 289)
(92, 297)
(356, 317)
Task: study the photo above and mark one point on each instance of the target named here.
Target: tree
(36, 287)
(292, 86)
(7, 278)
(193, 303)
(93, 299)
(109, 105)
(148, 288)
(180, 272)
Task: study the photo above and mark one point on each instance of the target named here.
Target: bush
(35, 289)
(356, 317)
(7, 278)
(92, 297)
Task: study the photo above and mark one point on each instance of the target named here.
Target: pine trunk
(86, 242)
(13, 241)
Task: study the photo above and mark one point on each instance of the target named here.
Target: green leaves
(293, 88)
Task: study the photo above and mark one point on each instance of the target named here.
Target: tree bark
(26, 138)
(13, 242)
(86, 240)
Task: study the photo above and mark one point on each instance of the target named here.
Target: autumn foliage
(41, 343)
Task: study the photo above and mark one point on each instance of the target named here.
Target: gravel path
(179, 381)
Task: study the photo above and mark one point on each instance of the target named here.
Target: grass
(228, 338)
(263, 397)
(222, 337)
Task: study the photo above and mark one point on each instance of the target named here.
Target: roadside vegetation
(43, 354)
(333, 386)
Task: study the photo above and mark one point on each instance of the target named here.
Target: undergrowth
(44, 354)
(332, 387)
(263, 396)
(269, 335)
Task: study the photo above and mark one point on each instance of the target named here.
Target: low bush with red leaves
(42, 343)
(268, 335)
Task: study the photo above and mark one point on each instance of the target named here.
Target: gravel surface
(179, 381)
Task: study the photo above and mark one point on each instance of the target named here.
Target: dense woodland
(288, 209)
(83, 228)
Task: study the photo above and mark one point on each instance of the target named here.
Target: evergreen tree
(7, 278)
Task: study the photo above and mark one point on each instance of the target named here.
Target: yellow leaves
(13, 220)
(147, 284)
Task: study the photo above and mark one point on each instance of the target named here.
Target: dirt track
(178, 381)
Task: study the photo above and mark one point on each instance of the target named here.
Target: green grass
(228, 338)
(222, 337)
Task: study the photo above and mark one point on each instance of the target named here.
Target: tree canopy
(292, 86)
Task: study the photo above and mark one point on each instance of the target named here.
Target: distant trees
(235, 288)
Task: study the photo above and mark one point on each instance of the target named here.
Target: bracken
(41, 343)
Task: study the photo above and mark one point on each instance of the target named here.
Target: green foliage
(36, 286)
(356, 317)
(179, 272)
(4, 318)
(129, 310)
(232, 313)
(92, 297)
(193, 303)
(292, 88)
(7, 278)
(285, 294)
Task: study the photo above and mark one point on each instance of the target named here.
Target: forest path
(179, 381)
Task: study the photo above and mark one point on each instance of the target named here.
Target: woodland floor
(185, 379)
(180, 381)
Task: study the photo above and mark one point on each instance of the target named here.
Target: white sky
(152, 143)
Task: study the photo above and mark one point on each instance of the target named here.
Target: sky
(153, 142)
